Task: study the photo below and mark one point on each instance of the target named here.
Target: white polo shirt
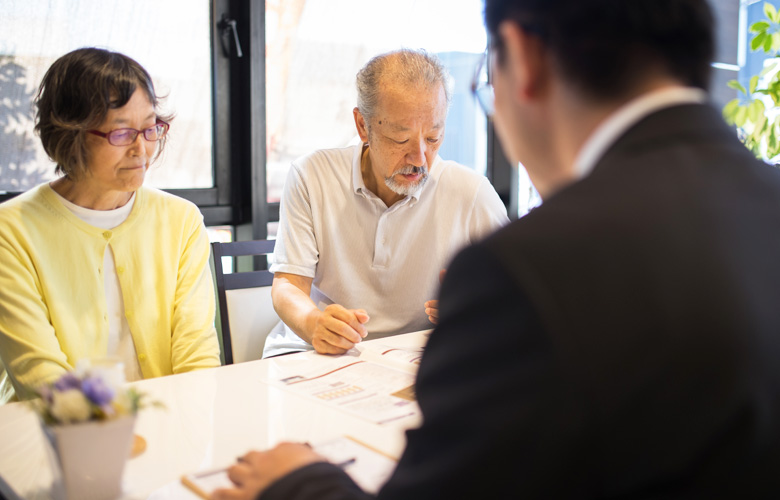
(362, 254)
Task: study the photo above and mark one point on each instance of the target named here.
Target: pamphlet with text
(374, 381)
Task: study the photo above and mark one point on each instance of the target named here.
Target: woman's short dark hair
(605, 47)
(76, 94)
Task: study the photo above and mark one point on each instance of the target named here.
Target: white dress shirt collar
(626, 116)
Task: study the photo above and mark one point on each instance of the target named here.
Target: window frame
(239, 196)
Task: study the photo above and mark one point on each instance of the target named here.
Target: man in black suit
(623, 339)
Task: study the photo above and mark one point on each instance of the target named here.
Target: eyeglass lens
(127, 136)
(486, 97)
(482, 88)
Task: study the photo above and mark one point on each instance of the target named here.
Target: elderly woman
(94, 264)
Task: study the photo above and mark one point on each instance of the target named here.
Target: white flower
(113, 377)
(70, 406)
(110, 369)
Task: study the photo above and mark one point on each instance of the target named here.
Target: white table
(212, 417)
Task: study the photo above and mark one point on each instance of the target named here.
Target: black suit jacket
(620, 341)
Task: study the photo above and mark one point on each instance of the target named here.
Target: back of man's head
(404, 67)
(605, 47)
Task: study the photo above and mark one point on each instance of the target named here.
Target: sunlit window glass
(315, 48)
(527, 196)
(171, 39)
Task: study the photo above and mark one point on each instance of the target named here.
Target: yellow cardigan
(52, 298)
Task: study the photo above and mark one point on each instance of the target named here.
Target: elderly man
(366, 230)
(635, 312)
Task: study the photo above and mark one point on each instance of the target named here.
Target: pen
(344, 463)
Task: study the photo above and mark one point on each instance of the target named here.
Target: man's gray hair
(405, 66)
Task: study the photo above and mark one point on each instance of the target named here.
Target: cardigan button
(107, 234)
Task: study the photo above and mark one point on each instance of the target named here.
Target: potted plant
(88, 417)
(755, 111)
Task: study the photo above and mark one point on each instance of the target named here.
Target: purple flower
(96, 390)
(67, 381)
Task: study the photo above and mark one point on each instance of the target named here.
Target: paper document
(403, 358)
(204, 483)
(367, 466)
(363, 387)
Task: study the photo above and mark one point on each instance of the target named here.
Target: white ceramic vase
(92, 457)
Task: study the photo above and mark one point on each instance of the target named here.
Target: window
(36, 32)
(751, 62)
(219, 148)
(316, 47)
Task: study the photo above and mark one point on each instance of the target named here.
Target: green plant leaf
(734, 84)
(751, 145)
(760, 107)
(771, 144)
(772, 89)
(758, 41)
(769, 66)
(770, 11)
(740, 116)
(765, 139)
(754, 111)
(759, 26)
(773, 77)
(775, 37)
(753, 84)
(760, 128)
(730, 110)
(758, 133)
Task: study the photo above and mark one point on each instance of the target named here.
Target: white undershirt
(625, 117)
(120, 340)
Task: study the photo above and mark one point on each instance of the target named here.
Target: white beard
(406, 189)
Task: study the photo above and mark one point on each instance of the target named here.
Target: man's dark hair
(605, 47)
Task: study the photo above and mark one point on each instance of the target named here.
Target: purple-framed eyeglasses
(127, 136)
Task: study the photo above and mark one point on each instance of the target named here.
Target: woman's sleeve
(29, 349)
(194, 343)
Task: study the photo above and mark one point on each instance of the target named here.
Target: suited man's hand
(257, 470)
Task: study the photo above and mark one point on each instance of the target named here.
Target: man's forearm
(295, 308)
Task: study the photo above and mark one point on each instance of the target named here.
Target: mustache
(411, 170)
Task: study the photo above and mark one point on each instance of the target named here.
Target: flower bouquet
(86, 395)
(88, 417)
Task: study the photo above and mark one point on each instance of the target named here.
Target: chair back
(246, 311)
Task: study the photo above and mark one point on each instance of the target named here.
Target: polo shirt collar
(359, 187)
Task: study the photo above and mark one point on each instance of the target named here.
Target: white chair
(246, 310)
